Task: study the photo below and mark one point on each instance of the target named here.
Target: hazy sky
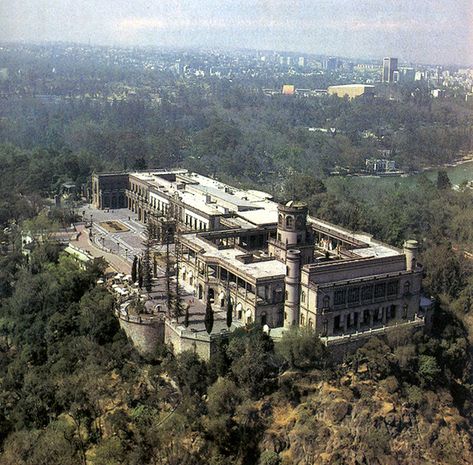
(435, 31)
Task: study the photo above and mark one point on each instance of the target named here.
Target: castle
(273, 264)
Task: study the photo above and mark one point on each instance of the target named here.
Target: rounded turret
(292, 281)
(411, 249)
(292, 223)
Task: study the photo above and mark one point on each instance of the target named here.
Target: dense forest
(74, 391)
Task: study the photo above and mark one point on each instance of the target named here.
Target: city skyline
(427, 32)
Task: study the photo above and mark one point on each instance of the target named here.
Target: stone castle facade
(274, 264)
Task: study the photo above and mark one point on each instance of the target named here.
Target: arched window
(289, 222)
(407, 287)
(302, 320)
(263, 318)
(249, 316)
(325, 328)
(303, 297)
(211, 295)
(280, 219)
(311, 323)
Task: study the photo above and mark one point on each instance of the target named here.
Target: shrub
(268, 457)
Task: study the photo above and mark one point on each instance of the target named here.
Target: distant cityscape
(257, 69)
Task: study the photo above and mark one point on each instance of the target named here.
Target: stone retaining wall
(144, 333)
(201, 343)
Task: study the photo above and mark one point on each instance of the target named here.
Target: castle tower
(292, 233)
(292, 283)
(411, 249)
(292, 223)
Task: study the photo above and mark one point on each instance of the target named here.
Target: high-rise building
(331, 64)
(389, 66)
(407, 74)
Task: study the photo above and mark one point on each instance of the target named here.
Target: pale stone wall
(340, 349)
(145, 335)
(181, 340)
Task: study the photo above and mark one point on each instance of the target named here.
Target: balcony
(342, 338)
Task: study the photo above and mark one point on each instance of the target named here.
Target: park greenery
(74, 391)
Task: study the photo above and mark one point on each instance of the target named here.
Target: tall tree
(140, 274)
(229, 313)
(443, 181)
(186, 317)
(175, 299)
(209, 316)
(134, 269)
(146, 266)
(155, 266)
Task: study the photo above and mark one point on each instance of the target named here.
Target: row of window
(364, 318)
(159, 205)
(290, 221)
(137, 189)
(310, 322)
(352, 319)
(194, 223)
(353, 295)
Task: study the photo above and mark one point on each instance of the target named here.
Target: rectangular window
(223, 274)
(380, 291)
(260, 292)
(378, 314)
(367, 293)
(337, 323)
(353, 295)
(340, 297)
(404, 312)
(393, 288)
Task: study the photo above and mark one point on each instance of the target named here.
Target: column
(358, 320)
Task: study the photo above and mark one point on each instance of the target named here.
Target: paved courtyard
(127, 243)
(119, 248)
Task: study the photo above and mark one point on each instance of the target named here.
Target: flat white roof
(252, 207)
(260, 217)
(373, 247)
(258, 270)
(195, 189)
